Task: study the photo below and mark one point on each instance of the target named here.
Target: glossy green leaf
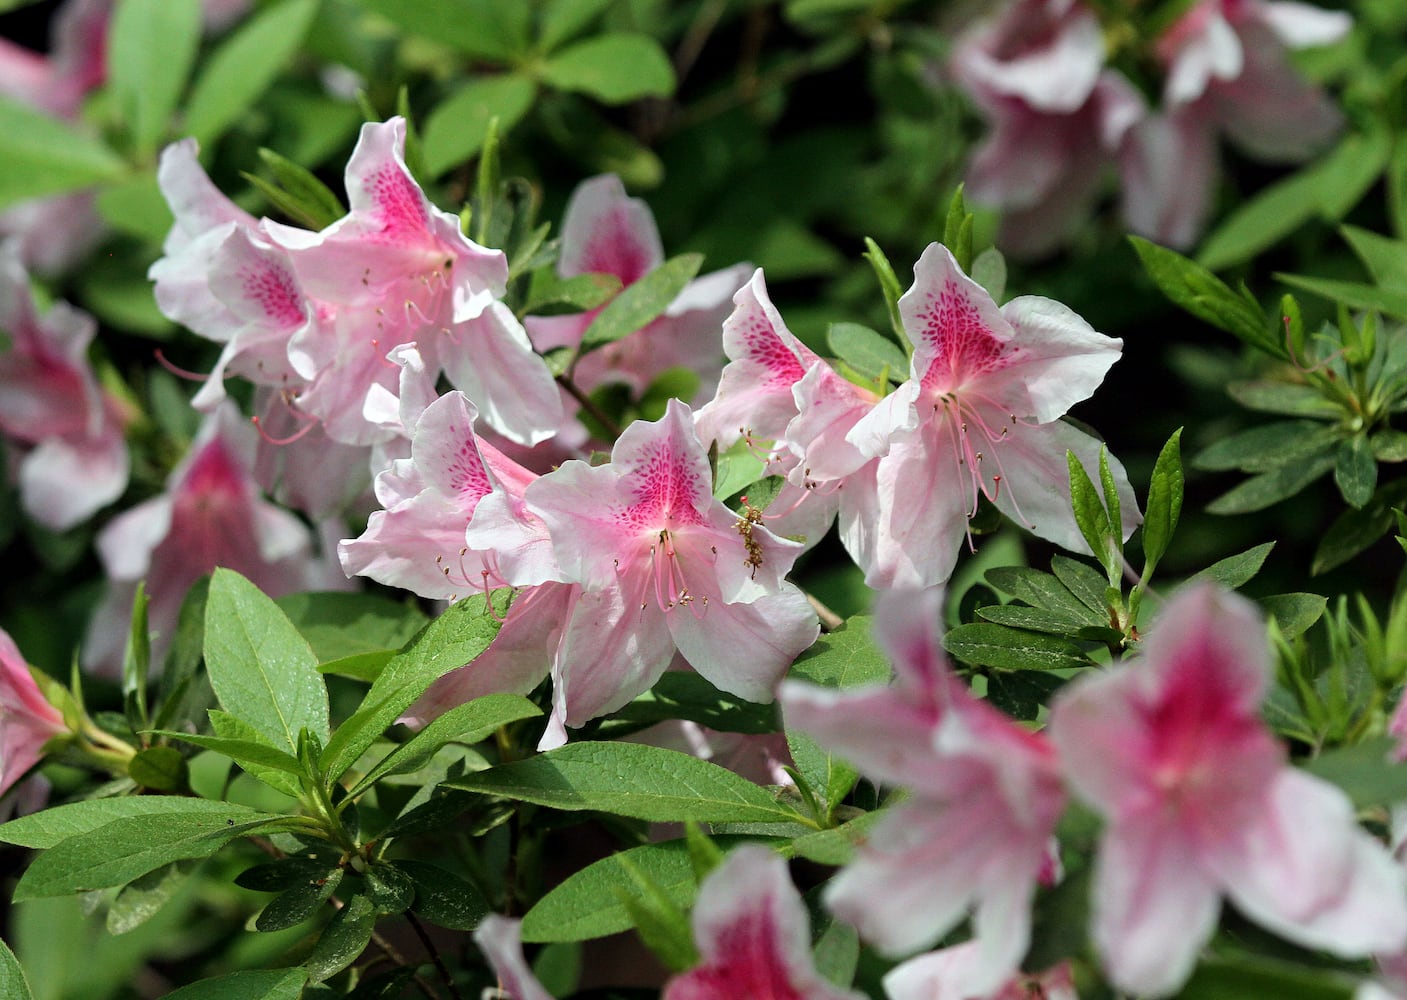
(580, 292)
(443, 898)
(453, 639)
(343, 939)
(457, 128)
(342, 624)
(1236, 571)
(640, 303)
(1355, 470)
(263, 984)
(124, 849)
(262, 670)
(151, 49)
(244, 65)
(467, 723)
(142, 898)
(985, 645)
(630, 779)
(274, 772)
(59, 823)
(613, 68)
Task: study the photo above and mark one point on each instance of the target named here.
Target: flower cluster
(1060, 111)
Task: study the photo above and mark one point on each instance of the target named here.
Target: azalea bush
(822, 499)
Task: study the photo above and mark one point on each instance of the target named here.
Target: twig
(434, 953)
(589, 405)
(830, 621)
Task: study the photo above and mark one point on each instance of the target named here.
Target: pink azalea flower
(975, 834)
(948, 974)
(1058, 118)
(753, 936)
(27, 721)
(977, 416)
(1199, 803)
(68, 429)
(663, 566)
(500, 939)
(606, 232)
(1228, 72)
(210, 515)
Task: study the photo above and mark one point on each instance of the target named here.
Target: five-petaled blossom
(69, 432)
(1199, 802)
(977, 416)
(662, 566)
(211, 515)
(975, 833)
(753, 936)
(27, 720)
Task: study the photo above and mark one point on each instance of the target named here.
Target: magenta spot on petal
(763, 346)
(962, 344)
(747, 962)
(214, 479)
(276, 293)
(614, 248)
(400, 205)
(665, 485)
(467, 475)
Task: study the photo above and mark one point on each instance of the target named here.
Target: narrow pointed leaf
(640, 303)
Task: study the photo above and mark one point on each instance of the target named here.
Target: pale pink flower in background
(68, 432)
(1058, 118)
(753, 936)
(662, 565)
(27, 721)
(1228, 73)
(211, 515)
(606, 232)
(974, 835)
(978, 416)
(500, 939)
(949, 974)
(1200, 802)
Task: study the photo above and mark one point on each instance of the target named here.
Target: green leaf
(272, 772)
(340, 624)
(1294, 613)
(659, 920)
(563, 19)
(889, 286)
(1271, 487)
(1244, 976)
(151, 49)
(1389, 445)
(13, 985)
(581, 291)
(297, 192)
(585, 905)
(136, 662)
(343, 940)
(136, 206)
(56, 824)
(161, 769)
(443, 898)
(1043, 590)
(737, 469)
(867, 351)
(453, 639)
(1267, 447)
(467, 723)
(640, 303)
(286, 873)
(143, 898)
(630, 779)
(989, 271)
(1164, 503)
(1386, 259)
(262, 670)
(1355, 295)
(1021, 694)
(1236, 571)
(1283, 397)
(44, 156)
(1347, 173)
(1032, 619)
(837, 845)
(1205, 296)
(123, 849)
(457, 128)
(242, 751)
(1355, 530)
(985, 645)
(1263, 220)
(1355, 471)
(1365, 772)
(244, 65)
(613, 68)
(264, 984)
(486, 29)
(1090, 516)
